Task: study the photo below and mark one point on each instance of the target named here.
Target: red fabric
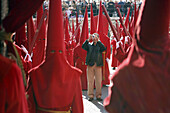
(67, 35)
(92, 24)
(69, 55)
(73, 42)
(142, 82)
(79, 62)
(56, 84)
(106, 73)
(20, 37)
(127, 18)
(77, 36)
(105, 24)
(30, 32)
(12, 92)
(121, 27)
(20, 13)
(114, 61)
(102, 22)
(77, 21)
(106, 41)
(26, 64)
(40, 45)
(135, 14)
(152, 27)
(72, 26)
(139, 93)
(80, 54)
(120, 56)
(46, 21)
(85, 31)
(69, 26)
(131, 27)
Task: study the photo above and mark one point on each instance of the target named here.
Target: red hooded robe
(80, 54)
(142, 82)
(12, 92)
(55, 84)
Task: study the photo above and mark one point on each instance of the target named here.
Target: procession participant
(94, 62)
(142, 82)
(55, 84)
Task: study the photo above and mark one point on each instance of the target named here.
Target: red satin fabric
(12, 92)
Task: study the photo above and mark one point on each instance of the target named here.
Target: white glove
(26, 52)
(117, 44)
(107, 60)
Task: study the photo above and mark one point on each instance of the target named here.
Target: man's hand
(90, 37)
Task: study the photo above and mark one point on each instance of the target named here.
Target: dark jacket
(94, 53)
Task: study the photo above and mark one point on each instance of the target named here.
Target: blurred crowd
(71, 7)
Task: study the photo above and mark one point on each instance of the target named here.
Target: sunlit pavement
(94, 106)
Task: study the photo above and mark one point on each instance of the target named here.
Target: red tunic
(12, 92)
(114, 60)
(105, 70)
(79, 62)
(141, 85)
(55, 83)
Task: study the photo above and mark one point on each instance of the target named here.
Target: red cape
(79, 61)
(12, 92)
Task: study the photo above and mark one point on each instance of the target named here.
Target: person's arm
(101, 45)
(85, 44)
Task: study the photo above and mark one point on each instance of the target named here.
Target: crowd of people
(46, 62)
(72, 7)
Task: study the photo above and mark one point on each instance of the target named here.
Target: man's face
(95, 38)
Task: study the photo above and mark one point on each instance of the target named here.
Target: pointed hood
(153, 25)
(72, 26)
(100, 21)
(85, 31)
(55, 78)
(77, 21)
(69, 26)
(121, 27)
(19, 13)
(39, 50)
(92, 25)
(20, 37)
(30, 32)
(55, 34)
(67, 35)
(135, 14)
(127, 18)
(77, 35)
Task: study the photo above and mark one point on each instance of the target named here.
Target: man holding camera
(94, 62)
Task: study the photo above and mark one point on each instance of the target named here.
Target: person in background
(94, 62)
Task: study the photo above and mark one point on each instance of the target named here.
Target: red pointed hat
(100, 20)
(153, 27)
(67, 35)
(127, 18)
(55, 78)
(30, 32)
(77, 21)
(20, 37)
(85, 31)
(20, 13)
(39, 50)
(72, 26)
(92, 24)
